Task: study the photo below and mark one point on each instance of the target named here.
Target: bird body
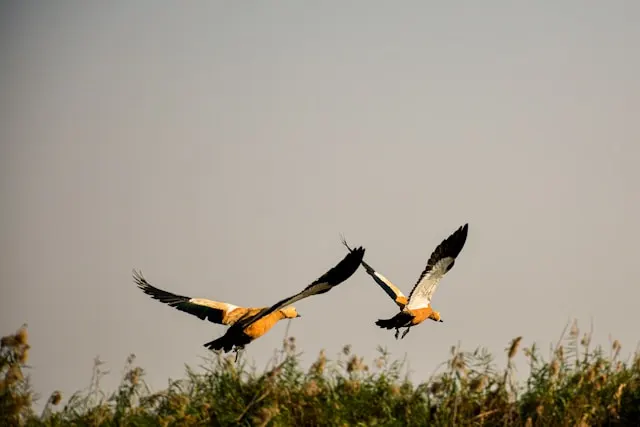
(250, 333)
(263, 325)
(228, 313)
(407, 318)
(248, 324)
(221, 313)
(416, 308)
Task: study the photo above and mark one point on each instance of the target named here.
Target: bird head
(435, 316)
(290, 312)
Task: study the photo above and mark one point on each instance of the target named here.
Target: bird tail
(222, 343)
(386, 323)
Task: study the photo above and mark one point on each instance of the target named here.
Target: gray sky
(223, 148)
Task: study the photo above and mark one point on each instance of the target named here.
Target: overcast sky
(223, 148)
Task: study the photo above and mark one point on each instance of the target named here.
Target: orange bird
(248, 324)
(417, 308)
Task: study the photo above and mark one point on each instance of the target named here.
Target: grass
(577, 386)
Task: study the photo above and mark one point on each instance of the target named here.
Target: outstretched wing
(213, 311)
(392, 290)
(338, 274)
(440, 262)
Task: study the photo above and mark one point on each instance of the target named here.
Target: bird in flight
(247, 324)
(417, 307)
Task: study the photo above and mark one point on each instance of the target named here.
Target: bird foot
(397, 333)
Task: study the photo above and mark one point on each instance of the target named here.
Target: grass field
(579, 385)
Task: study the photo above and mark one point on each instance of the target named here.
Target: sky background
(222, 148)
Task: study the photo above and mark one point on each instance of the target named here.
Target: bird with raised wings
(249, 323)
(417, 307)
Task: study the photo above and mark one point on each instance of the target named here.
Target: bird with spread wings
(417, 307)
(247, 324)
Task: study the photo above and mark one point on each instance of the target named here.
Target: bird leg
(237, 350)
(397, 333)
(405, 332)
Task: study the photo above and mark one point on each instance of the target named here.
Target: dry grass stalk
(616, 346)
(574, 330)
(317, 368)
(554, 369)
(55, 397)
(513, 349)
(478, 384)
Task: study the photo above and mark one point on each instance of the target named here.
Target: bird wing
(338, 274)
(441, 261)
(392, 290)
(221, 313)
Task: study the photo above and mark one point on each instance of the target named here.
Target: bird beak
(440, 320)
(298, 315)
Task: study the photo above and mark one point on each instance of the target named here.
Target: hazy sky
(223, 148)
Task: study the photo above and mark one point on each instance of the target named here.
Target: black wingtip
(158, 294)
(344, 242)
(345, 268)
(139, 279)
(463, 230)
(353, 258)
(352, 261)
(142, 283)
(452, 245)
(358, 254)
(366, 266)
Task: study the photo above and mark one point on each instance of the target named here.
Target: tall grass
(577, 385)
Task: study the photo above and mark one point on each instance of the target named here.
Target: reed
(575, 385)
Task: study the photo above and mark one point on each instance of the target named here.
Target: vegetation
(578, 385)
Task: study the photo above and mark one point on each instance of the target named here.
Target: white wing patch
(421, 297)
(227, 308)
(231, 307)
(387, 282)
(390, 287)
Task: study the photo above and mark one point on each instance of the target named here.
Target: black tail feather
(386, 323)
(222, 343)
